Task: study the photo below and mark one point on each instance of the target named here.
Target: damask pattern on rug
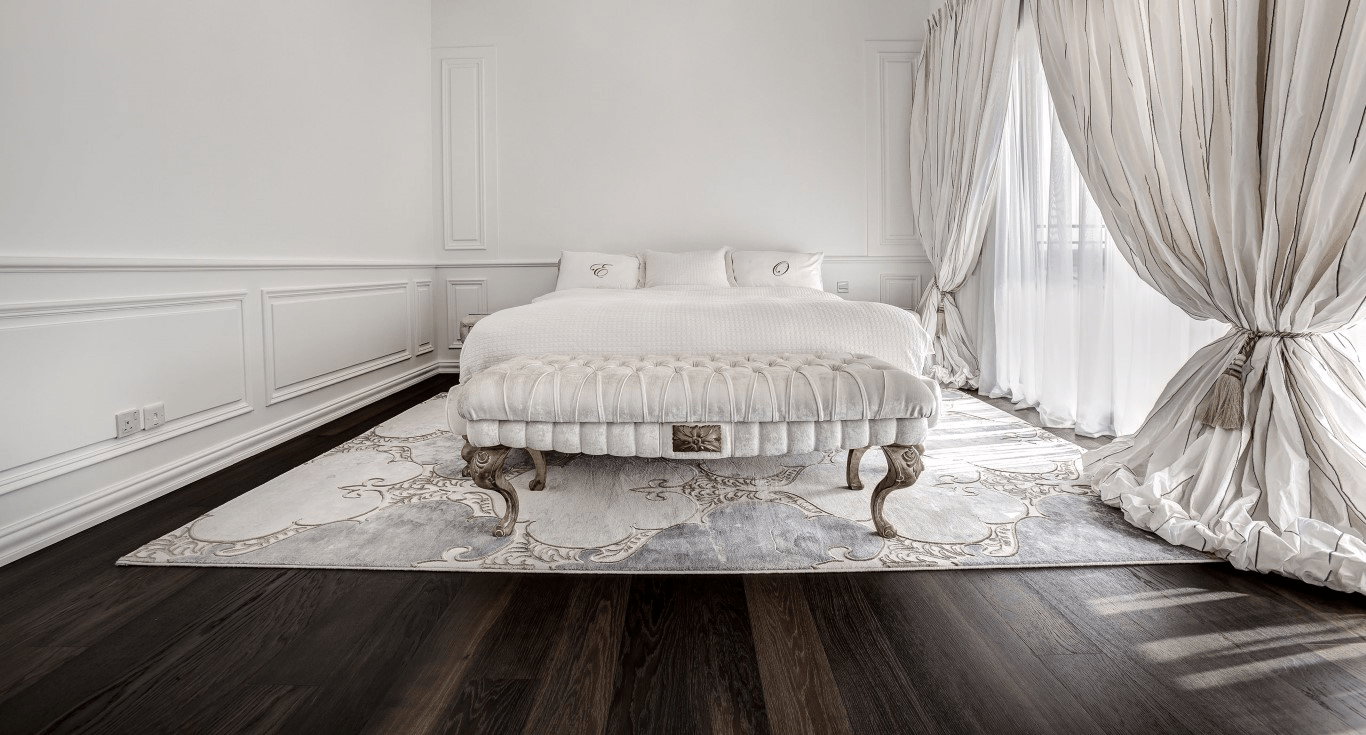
(996, 492)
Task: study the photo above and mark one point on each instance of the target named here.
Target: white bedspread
(681, 319)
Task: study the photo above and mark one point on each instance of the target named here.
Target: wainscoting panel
(220, 343)
(466, 146)
(899, 290)
(424, 319)
(315, 337)
(70, 366)
(889, 68)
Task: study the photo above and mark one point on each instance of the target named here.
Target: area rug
(996, 492)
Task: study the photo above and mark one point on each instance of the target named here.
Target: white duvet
(668, 320)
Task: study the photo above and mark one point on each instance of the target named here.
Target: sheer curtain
(1069, 328)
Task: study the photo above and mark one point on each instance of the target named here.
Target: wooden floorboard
(799, 686)
(89, 647)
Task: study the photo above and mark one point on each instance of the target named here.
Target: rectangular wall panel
(315, 337)
(424, 320)
(898, 290)
(71, 366)
(890, 67)
(466, 147)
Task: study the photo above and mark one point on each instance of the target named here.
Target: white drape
(1071, 330)
(958, 101)
(1224, 144)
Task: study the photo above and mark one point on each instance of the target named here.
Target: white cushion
(597, 270)
(692, 268)
(667, 389)
(748, 405)
(776, 268)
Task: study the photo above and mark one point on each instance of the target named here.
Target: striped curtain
(1225, 144)
(958, 104)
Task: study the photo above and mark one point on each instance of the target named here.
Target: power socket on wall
(153, 415)
(127, 422)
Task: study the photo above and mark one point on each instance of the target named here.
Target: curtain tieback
(945, 296)
(1222, 406)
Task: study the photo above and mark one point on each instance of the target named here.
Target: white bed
(696, 320)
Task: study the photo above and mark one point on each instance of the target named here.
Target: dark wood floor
(87, 646)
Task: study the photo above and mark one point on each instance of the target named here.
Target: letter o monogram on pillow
(776, 268)
(597, 270)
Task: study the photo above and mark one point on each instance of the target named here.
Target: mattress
(688, 319)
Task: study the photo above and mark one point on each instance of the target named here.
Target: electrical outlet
(153, 415)
(127, 422)
(841, 287)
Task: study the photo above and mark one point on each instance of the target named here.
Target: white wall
(215, 128)
(223, 206)
(621, 126)
(674, 124)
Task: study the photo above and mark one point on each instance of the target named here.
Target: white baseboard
(26, 536)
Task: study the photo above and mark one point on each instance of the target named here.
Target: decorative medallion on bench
(697, 438)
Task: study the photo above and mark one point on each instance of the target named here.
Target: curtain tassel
(941, 326)
(1222, 407)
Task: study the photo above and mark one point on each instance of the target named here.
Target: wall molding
(271, 297)
(500, 263)
(29, 473)
(475, 301)
(114, 304)
(916, 257)
(26, 264)
(76, 264)
(474, 116)
(883, 122)
(30, 534)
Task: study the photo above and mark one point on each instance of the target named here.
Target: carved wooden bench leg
(851, 469)
(903, 468)
(538, 459)
(484, 465)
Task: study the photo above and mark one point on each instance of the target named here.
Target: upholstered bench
(694, 407)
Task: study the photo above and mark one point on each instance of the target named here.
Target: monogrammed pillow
(597, 270)
(776, 268)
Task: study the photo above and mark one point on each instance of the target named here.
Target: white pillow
(776, 268)
(693, 268)
(597, 270)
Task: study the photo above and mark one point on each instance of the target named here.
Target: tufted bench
(693, 407)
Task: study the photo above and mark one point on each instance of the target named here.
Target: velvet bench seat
(693, 407)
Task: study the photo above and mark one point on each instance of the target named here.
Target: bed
(696, 319)
(727, 363)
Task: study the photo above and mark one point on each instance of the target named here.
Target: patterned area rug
(995, 492)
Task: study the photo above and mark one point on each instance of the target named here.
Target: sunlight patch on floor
(1139, 601)
(1248, 672)
(1249, 642)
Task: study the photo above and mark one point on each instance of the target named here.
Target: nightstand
(468, 323)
